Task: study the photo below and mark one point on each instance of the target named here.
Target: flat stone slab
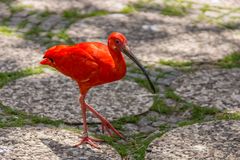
(211, 88)
(17, 54)
(57, 97)
(153, 37)
(213, 140)
(81, 5)
(30, 143)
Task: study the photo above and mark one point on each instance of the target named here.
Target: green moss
(230, 25)
(14, 118)
(176, 64)
(96, 13)
(6, 30)
(22, 24)
(230, 61)
(143, 82)
(185, 106)
(142, 4)
(174, 10)
(134, 147)
(45, 14)
(122, 149)
(17, 8)
(128, 9)
(169, 93)
(164, 127)
(160, 106)
(228, 116)
(199, 113)
(10, 76)
(205, 8)
(135, 70)
(71, 14)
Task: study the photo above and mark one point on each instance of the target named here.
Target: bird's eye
(117, 41)
(51, 60)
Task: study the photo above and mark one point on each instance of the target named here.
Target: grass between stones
(175, 8)
(22, 24)
(18, 8)
(228, 116)
(6, 77)
(169, 93)
(14, 118)
(6, 31)
(128, 9)
(230, 25)
(135, 146)
(230, 61)
(161, 107)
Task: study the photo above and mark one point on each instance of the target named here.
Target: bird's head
(52, 56)
(118, 42)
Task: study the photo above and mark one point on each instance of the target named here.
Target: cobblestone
(212, 140)
(211, 88)
(84, 6)
(46, 95)
(30, 143)
(17, 54)
(153, 38)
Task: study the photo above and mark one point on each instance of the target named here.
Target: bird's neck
(120, 65)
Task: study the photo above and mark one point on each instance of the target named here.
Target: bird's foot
(107, 126)
(90, 141)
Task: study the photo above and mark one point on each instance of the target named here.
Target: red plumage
(91, 64)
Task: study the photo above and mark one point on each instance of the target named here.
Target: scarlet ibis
(91, 64)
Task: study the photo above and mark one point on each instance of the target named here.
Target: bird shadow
(67, 152)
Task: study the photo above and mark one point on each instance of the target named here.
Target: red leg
(86, 138)
(105, 123)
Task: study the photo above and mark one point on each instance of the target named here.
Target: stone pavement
(154, 37)
(81, 5)
(57, 97)
(197, 32)
(213, 140)
(17, 54)
(46, 143)
(211, 88)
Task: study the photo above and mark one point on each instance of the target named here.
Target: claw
(89, 140)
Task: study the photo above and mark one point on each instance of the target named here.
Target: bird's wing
(80, 63)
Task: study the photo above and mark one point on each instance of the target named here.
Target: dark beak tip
(126, 50)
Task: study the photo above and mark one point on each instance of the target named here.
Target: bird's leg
(105, 123)
(86, 138)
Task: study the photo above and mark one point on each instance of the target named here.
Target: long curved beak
(128, 53)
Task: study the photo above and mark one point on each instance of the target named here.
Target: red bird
(91, 64)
